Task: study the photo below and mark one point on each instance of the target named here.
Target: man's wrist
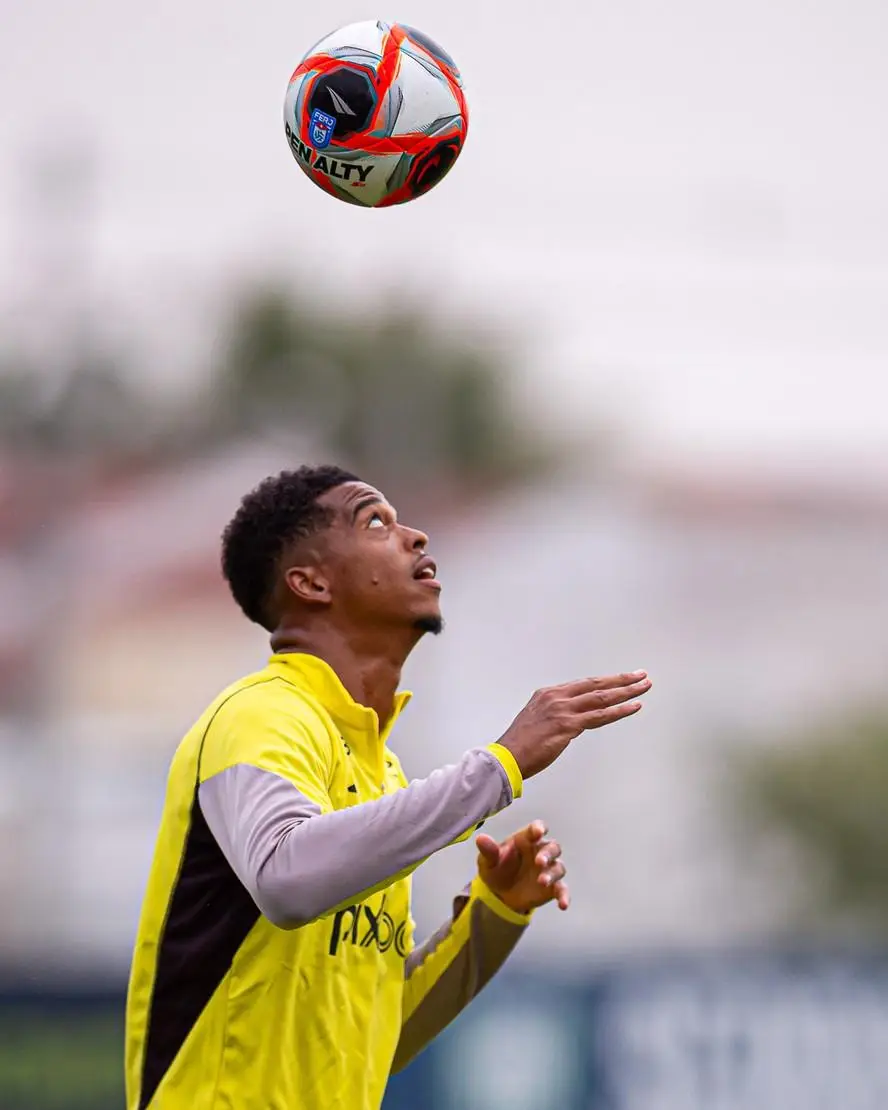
(499, 903)
(509, 764)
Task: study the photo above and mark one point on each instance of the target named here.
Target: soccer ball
(375, 114)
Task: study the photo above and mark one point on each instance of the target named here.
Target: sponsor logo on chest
(365, 927)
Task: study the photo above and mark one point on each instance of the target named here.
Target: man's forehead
(347, 496)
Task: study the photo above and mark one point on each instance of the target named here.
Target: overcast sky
(683, 204)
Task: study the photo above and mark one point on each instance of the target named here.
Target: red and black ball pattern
(336, 83)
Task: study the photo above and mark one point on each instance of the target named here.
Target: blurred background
(628, 365)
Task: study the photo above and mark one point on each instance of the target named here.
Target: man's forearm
(444, 974)
(300, 863)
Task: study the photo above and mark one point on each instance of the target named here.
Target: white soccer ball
(375, 114)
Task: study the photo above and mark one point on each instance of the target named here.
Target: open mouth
(426, 570)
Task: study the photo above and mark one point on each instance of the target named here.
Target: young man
(275, 966)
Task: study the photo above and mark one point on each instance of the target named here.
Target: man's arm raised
(268, 807)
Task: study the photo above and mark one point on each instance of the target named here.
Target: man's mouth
(426, 570)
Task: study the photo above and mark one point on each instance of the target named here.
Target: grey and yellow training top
(275, 966)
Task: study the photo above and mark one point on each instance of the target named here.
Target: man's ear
(309, 584)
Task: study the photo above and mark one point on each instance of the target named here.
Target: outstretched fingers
(610, 682)
(602, 707)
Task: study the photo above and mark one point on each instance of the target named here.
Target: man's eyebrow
(363, 503)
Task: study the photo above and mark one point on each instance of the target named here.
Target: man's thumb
(488, 848)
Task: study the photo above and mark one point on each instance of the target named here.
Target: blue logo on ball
(320, 129)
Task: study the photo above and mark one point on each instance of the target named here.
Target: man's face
(378, 569)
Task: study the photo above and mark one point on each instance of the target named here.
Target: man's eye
(375, 521)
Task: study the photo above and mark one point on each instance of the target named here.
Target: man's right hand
(555, 716)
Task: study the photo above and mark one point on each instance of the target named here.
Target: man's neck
(369, 671)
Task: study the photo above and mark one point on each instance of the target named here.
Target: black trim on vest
(209, 917)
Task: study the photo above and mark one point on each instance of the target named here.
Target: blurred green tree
(90, 407)
(390, 392)
(385, 391)
(827, 795)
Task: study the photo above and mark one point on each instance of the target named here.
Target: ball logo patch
(320, 129)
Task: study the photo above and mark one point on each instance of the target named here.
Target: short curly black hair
(279, 510)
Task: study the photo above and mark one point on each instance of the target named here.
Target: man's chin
(431, 622)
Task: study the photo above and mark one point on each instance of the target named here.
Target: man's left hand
(525, 871)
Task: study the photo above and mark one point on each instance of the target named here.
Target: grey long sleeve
(300, 863)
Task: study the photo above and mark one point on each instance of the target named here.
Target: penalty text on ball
(343, 171)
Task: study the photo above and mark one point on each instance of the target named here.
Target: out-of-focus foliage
(827, 794)
(91, 407)
(61, 1060)
(390, 392)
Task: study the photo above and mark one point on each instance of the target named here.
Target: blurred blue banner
(745, 1033)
